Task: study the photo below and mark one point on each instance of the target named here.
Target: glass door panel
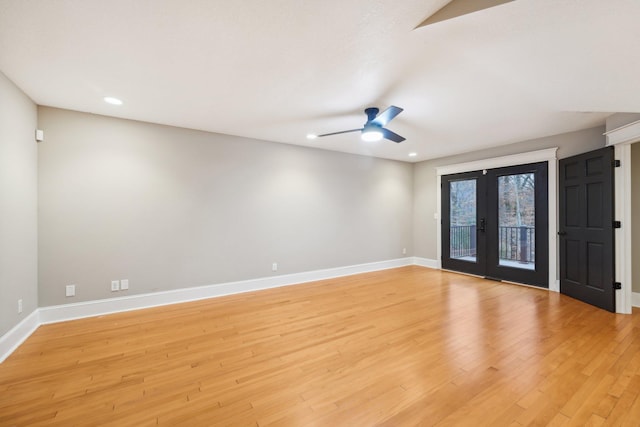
(517, 221)
(462, 220)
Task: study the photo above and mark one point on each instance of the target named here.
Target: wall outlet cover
(115, 285)
(70, 290)
(124, 284)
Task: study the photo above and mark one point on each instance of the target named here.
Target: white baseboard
(425, 262)
(635, 299)
(10, 341)
(59, 313)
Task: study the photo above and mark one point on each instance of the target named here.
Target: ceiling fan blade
(338, 133)
(392, 136)
(387, 115)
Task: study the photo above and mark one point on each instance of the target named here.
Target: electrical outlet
(124, 284)
(115, 285)
(404, 251)
(70, 290)
(19, 306)
(274, 267)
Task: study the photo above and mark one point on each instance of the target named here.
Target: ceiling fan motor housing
(371, 113)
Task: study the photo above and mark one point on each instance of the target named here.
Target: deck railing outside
(515, 243)
(462, 241)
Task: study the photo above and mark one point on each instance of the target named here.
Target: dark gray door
(517, 224)
(464, 222)
(586, 228)
(493, 221)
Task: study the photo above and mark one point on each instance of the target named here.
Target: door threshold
(494, 279)
(546, 288)
(462, 272)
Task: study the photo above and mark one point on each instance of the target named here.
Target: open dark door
(586, 228)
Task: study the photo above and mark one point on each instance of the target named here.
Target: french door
(494, 223)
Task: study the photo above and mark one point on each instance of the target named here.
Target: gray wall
(425, 178)
(169, 208)
(635, 214)
(18, 205)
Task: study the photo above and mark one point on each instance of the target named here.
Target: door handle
(562, 233)
(482, 225)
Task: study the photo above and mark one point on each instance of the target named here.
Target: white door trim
(548, 155)
(621, 140)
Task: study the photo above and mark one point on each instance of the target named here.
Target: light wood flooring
(402, 347)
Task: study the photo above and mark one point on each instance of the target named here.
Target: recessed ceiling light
(413, 154)
(111, 100)
(311, 136)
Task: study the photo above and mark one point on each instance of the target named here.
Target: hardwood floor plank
(621, 409)
(401, 347)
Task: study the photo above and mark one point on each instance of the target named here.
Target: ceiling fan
(374, 129)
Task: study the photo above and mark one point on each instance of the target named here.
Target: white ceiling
(278, 70)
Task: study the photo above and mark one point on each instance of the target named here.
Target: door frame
(621, 139)
(548, 155)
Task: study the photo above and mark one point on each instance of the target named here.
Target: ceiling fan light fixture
(371, 134)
